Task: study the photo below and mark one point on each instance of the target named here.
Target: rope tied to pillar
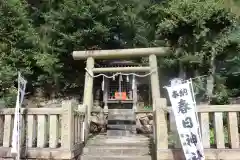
(119, 73)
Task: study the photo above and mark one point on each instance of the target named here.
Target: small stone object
(144, 123)
(98, 122)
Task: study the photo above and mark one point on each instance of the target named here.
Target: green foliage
(17, 42)
(194, 26)
(37, 38)
(212, 139)
(201, 35)
(88, 24)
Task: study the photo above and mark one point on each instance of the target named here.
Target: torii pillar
(88, 86)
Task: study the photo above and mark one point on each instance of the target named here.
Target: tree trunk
(211, 78)
(182, 72)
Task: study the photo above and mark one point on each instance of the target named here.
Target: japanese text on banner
(184, 111)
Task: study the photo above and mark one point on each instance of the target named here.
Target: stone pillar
(160, 126)
(105, 93)
(88, 86)
(67, 124)
(86, 125)
(134, 94)
(154, 78)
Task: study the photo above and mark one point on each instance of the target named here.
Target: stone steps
(121, 141)
(117, 138)
(116, 157)
(121, 122)
(121, 111)
(125, 117)
(121, 130)
(116, 150)
(136, 136)
(122, 127)
(102, 147)
(117, 141)
(120, 133)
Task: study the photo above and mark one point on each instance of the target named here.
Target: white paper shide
(16, 127)
(184, 110)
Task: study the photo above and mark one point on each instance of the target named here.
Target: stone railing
(46, 133)
(219, 128)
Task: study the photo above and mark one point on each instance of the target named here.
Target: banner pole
(16, 136)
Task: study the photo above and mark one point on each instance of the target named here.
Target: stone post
(86, 124)
(105, 94)
(134, 95)
(67, 124)
(161, 130)
(154, 78)
(88, 86)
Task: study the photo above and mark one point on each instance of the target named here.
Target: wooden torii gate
(91, 55)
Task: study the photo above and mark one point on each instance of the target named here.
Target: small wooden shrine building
(121, 87)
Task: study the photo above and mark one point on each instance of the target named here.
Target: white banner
(184, 110)
(16, 126)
